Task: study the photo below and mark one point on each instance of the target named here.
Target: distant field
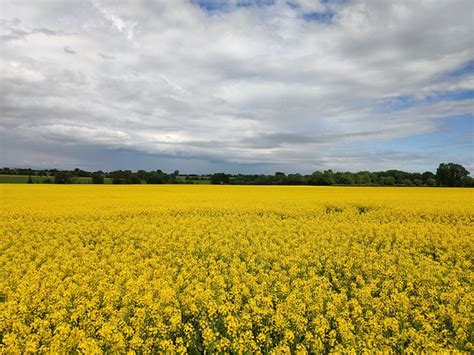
(23, 179)
(16, 179)
(194, 181)
(198, 181)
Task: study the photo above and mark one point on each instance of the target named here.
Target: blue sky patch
(224, 5)
(448, 96)
(405, 102)
(467, 68)
(451, 141)
(323, 17)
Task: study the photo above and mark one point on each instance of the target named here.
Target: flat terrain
(182, 268)
(20, 179)
(203, 181)
(23, 179)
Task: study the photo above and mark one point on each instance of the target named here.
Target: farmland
(23, 179)
(183, 268)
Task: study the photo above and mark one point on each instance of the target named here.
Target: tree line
(447, 174)
(97, 177)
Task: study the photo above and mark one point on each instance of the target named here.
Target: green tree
(124, 177)
(157, 177)
(426, 176)
(406, 182)
(62, 177)
(344, 178)
(97, 177)
(451, 174)
(319, 178)
(468, 181)
(387, 180)
(295, 179)
(431, 182)
(220, 178)
(30, 180)
(417, 182)
(142, 174)
(363, 178)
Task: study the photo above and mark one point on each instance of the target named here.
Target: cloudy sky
(237, 86)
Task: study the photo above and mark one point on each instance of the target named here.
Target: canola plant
(146, 269)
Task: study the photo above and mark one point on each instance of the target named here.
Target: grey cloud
(106, 57)
(121, 25)
(12, 30)
(271, 140)
(14, 34)
(253, 87)
(10, 22)
(47, 31)
(69, 50)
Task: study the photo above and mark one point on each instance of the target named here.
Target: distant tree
(451, 174)
(97, 177)
(81, 173)
(387, 180)
(417, 182)
(142, 174)
(173, 178)
(220, 178)
(47, 181)
(318, 178)
(62, 177)
(133, 179)
(157, 177)
(269, 180)
(447, 175)
(398, 175)
(468, 181)
(278, 179)
(315, 178)
(124, 177)
(118, 181)
(295, 179)
(344, 178)
(426, 176)
(363, 178)
(431, 182)
(376, 178)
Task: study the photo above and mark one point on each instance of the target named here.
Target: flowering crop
(235, 268)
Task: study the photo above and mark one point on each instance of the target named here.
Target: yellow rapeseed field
(233, 268)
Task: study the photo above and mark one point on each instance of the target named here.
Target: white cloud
(121, 25)
(169, 79)
(70, 134)
(13, 70)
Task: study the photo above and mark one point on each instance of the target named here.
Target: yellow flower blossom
(202, 269)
